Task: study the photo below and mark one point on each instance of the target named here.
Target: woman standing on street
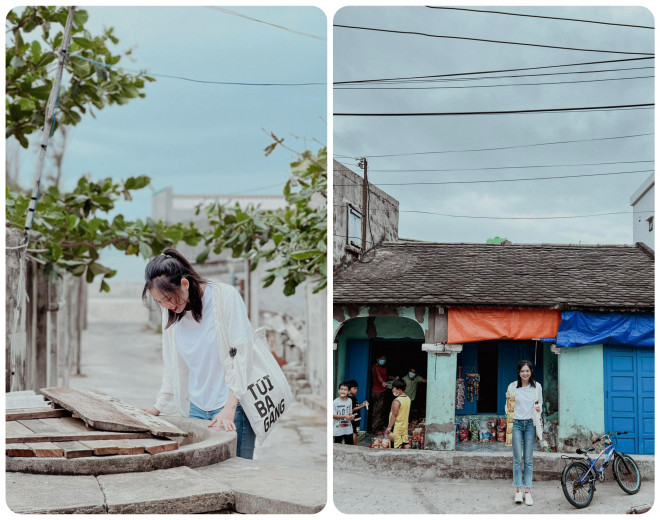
(528, 398)
(201, 372)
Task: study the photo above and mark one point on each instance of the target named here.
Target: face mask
(395, 394)
(411, 375)
(381, 361)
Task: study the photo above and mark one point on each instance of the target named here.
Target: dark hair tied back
(165, 272)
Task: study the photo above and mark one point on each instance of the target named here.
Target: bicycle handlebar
(608, 435)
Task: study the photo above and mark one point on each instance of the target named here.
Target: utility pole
(362, 163)
(48, 124)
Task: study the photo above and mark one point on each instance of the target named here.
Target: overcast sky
(197, 137)
(361, 54)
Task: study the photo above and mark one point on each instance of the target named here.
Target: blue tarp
(578, 329)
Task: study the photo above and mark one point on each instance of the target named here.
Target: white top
(526, 397)
(197, 344)
(342, 426)
(173, 397)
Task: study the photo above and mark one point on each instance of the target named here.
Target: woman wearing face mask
(201, 372)
(398, 423)
(377, 404)
(528, 398)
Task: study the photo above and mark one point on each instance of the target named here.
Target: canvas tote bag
(267, 395)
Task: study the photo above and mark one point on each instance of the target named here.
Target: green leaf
(203, 256)
(145, 250)
(104, 286)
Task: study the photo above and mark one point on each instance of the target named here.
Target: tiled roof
(586, 277)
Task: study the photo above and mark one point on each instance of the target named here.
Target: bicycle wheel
(577, 487)
(627, 474)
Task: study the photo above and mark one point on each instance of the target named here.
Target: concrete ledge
(203, 446)
(169, 491)
(43, 494)
(261, 487)
(425, 465)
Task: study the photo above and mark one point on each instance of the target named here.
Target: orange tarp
(470, 324)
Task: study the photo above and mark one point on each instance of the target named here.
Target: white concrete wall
(384, 214)
(643, 205)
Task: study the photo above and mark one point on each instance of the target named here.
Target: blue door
(629, 397)
(357, 367)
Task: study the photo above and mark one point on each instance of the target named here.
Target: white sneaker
(519, 497)
(528, 498)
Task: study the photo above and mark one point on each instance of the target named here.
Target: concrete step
(428, 465)
(262, 487)
(177, 490)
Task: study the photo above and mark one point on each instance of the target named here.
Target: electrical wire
(501, 180)
(491, 71)
(510, 218)
(480, 78)
(509, 167)
(243, 84)
(501, 147)
(495, 112)
(236, 13)
(491, 86)
(540, 16)
(416, 33)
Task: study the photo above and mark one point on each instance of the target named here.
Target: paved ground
(360, 493)
(121, 356)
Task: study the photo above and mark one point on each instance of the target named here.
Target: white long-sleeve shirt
(229, 315)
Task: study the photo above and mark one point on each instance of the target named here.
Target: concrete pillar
(441, 396)
(581, 396)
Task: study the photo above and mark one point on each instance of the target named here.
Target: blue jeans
(244, 432)
(524, 438)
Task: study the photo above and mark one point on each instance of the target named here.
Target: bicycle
(578, 480)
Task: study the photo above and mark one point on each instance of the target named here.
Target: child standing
(342, 429)
(352, 391)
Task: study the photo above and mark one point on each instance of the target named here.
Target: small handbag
(267, 395)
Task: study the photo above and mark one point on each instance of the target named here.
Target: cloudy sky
(200, 137)
(361, 54)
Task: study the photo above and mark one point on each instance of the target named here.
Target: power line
(509, 218)
(495, 112)
(236, 13)
(500, 180)
(492, 86)
(509, 167)
(415, 33)
(243, 84)
(491, 71)
(454, 79)
(501, 147)
(539, 16)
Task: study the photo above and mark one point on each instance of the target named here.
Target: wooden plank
(45, 449)
(115, 447)
(25, 401)
(19, 450)
(45, 412)
(75, 449)
(80, 436)
(16, 429)
(105, 412)
(154, 446)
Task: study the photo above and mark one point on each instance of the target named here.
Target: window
(354, 228)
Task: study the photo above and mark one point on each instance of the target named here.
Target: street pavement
(121, 356)
(361, 493)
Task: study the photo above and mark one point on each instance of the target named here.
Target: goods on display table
(510, 404)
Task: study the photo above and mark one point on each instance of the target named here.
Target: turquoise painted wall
(440, 402)
(581, 396)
